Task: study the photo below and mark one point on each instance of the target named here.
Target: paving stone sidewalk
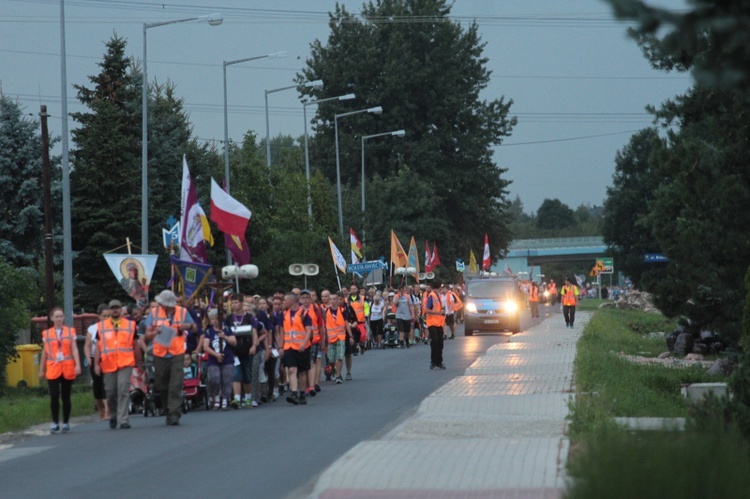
(498, 431)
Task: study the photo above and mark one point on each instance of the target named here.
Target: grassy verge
(608, 461)
(24, 407)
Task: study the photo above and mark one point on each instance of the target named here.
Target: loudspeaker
(249, 271)
(400, 271)
(429, 275)
(230, 272)
(411, 270)
(296, 269)
(422, 276)
(311, 269)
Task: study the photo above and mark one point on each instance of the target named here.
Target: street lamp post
(274, 55)
(396, 133)
(309, 84)
(371, 110)
(307, 150)
(213, 20)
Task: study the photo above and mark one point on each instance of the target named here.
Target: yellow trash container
(24, 371)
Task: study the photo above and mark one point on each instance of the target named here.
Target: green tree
(21, 191)
(554, 214)
(427, 76)
(634, 185)
(16, 298)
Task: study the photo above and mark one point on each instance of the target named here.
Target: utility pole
(49, 294)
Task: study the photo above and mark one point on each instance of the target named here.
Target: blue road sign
(365, 267)
(654, 258)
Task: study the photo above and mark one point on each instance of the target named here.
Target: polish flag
(229, 214)
(427, 258)
(486, 260)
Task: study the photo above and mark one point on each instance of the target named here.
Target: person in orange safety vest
(569, 295)
(435, 321)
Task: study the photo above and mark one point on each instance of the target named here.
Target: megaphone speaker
(296, 269)
(429, 275)
(230, 272)
(311, 269)
(249, 271)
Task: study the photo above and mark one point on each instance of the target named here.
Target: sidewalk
(497, 431)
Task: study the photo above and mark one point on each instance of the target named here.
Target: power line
(567, 139)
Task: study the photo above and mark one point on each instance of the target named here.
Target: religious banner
(134, 273)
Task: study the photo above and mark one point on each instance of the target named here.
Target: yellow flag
(473, 263)
(398, 255)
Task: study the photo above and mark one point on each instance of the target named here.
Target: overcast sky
(579, 85)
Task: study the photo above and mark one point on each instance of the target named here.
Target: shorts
(315, 352)
(243, 373)
(450, 320)
(297, 358)
(404, 325)
(336, 351)
(348, 348)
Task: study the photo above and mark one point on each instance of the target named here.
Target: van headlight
(471, 307)
(510, 306)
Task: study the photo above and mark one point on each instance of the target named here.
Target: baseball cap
(115, 304)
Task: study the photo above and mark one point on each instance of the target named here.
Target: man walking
(117, 353)
(569, 293)
(435, 323)
(297, 335)
(165, 325)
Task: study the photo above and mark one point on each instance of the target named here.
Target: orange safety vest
(336, 325)
(294, 330)
(534, 294)
(454, 302)
(359, 309)
(176, 345)
(116, 345)
(552, 288)
(65, 364)
(434, 320)
(570, 296)
(317, 322)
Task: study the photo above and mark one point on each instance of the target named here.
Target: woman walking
(60, 364)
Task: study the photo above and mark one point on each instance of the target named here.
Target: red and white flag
(427, 258)
(356, 245)
(194, 227)
(229, 214)
(486, 259)
(435, 257)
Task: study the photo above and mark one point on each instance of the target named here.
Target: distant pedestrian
(534, 300)
(569, 293)
(60, 364)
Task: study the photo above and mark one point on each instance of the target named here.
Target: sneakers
(317, 388)
(348, 376)
(224, 406)
(452, 337)
(243, 403)
(217, 404)
(293, 398)
(311, 391)
(440, 366)
(255, 403)
(54, 428)
(65, 428)
(113, 424)
(235, 404)
(339, 380)
(124, 426)
(432, 366)
(302, 399)
(275, 393)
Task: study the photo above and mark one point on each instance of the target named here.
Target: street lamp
(396, 133)
(213, 20)
(275, 55)
(307, 150)
(371, 110)
(309, 84)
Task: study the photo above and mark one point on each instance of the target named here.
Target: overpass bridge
(526, 255)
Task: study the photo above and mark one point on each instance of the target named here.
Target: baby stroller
(138, 390)
(194, 390)
(390, 331)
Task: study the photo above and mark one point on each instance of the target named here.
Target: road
(277, 450)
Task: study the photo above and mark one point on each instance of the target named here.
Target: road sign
(365, 267)
(654, 258)
(605, 265)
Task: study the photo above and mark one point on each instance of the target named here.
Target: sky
(579, 85)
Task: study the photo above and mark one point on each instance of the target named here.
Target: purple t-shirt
(219, 346)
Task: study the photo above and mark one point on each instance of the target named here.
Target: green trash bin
(30, 357)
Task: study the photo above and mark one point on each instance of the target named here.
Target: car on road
(492, 304)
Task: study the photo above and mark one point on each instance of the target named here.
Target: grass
(608, 461)
(24, 407)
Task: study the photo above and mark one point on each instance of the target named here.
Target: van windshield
(491, 289)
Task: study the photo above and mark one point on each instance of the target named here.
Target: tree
(427, 75)
(554, 214)
(628, 202)
(21, 190)
(16, 298)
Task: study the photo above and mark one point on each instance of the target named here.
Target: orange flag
(398, 255)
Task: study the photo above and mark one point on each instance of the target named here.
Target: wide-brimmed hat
(166, 299)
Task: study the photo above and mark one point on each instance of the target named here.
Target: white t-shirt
(376, 311)
(92, 330)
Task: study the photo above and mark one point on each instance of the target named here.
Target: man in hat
(165, 325)
(435, 322)
(117, 353)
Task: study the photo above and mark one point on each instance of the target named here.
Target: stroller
(194, 390)
(143, 398)
(390, 331)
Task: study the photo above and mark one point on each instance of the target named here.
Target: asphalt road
(277, 450)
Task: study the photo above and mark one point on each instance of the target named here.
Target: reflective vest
(176, 344)
(534, 297)
(64, 364)
(116, 345)
(569, 296)
(435, 320)
(336, 325)
(359, 309)
(552, 288)
(454, 302)
(295, 333)
(317, 322)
